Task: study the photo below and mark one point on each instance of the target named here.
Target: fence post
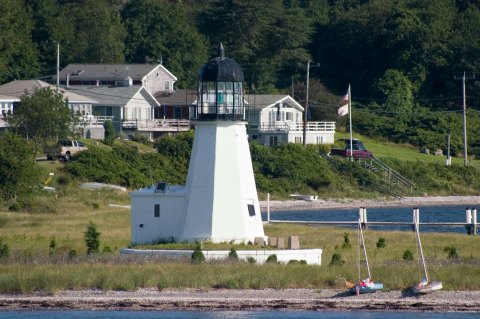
(474, 221)
(268, 208)
(365, 220)
(416, 218)
(468, 220)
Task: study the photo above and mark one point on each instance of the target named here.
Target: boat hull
(367, 289)
(428, 288)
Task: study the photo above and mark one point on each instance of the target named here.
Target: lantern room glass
(220, 100)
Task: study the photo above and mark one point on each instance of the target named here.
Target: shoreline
(345, 203)
(151, 299)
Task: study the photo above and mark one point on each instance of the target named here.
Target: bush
(381, 243)
(272, 259)
(336, 260)
(92, 238)
(4, 250)
(52, 245)
(107, 250)
(407, 255)
(346, 241)
(72, 253)
(451, 252)
(197, 255)
(109, 138)
(233, 254)
(251, 260)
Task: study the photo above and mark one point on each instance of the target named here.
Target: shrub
(107, 249)
(52, 245)
(381, 243)
(272, 259)
(407, 255)
(92, 238)
(233, 254)
(336, 260)
(72, 253)
(109, 138)
(197, 255)
(95, 205)
(346, 241)
(251, 260)
(4, 250)
(451, 252)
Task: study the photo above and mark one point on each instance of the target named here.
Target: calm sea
(227, 315)
(429, 214)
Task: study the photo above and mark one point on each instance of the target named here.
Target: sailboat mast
(364, 248)
(417, 232)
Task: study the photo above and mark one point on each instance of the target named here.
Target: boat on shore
(424, 286)
(366, 285)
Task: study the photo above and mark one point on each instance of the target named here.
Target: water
(429, 214)
(228, 315)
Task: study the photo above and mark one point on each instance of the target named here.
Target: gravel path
(222, 299)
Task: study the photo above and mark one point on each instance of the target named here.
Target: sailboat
(366, 285)
(424, 286)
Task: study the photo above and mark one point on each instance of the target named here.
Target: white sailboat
(424, 286)
(367, 285)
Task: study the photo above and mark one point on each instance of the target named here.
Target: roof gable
(262, 101)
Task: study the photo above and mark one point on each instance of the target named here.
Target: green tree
(110, 134)
(92, 31)
(92, 238)
(18, 172)
(42, 115)
(162, 30)
(18, 55)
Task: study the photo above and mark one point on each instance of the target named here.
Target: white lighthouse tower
(221, 196)
(219, 202)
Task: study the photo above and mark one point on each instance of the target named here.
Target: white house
(275, 119)
(77, 103)
(153, 77)
(6, 107)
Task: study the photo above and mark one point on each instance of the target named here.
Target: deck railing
(295, 127)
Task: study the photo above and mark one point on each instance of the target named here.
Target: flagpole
(350, 120)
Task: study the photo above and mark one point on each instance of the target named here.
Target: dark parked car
(359, 150)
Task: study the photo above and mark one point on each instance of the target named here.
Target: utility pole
(58, 64)
(463, 78)
(305, 117)
(305, 114)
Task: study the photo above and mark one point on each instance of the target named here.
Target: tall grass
(34, 266)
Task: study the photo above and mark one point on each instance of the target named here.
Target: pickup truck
(359, 150)
(65, 150)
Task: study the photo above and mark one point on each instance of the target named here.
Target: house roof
(19, 87)
(8, 98)
(112, 96)
(178, 97)
(261, 101)
(112, 72)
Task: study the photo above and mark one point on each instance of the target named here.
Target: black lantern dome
(220, 90)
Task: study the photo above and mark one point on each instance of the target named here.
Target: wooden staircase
(396, 181)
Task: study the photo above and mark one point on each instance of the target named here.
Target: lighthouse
(219, 202)
(222, 201)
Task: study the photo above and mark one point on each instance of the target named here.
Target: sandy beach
(251, 300)
(269, 299)
(275, 205)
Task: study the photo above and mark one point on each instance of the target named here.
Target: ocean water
(435, 214)
(229, 315)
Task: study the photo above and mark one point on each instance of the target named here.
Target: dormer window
(167, 85)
